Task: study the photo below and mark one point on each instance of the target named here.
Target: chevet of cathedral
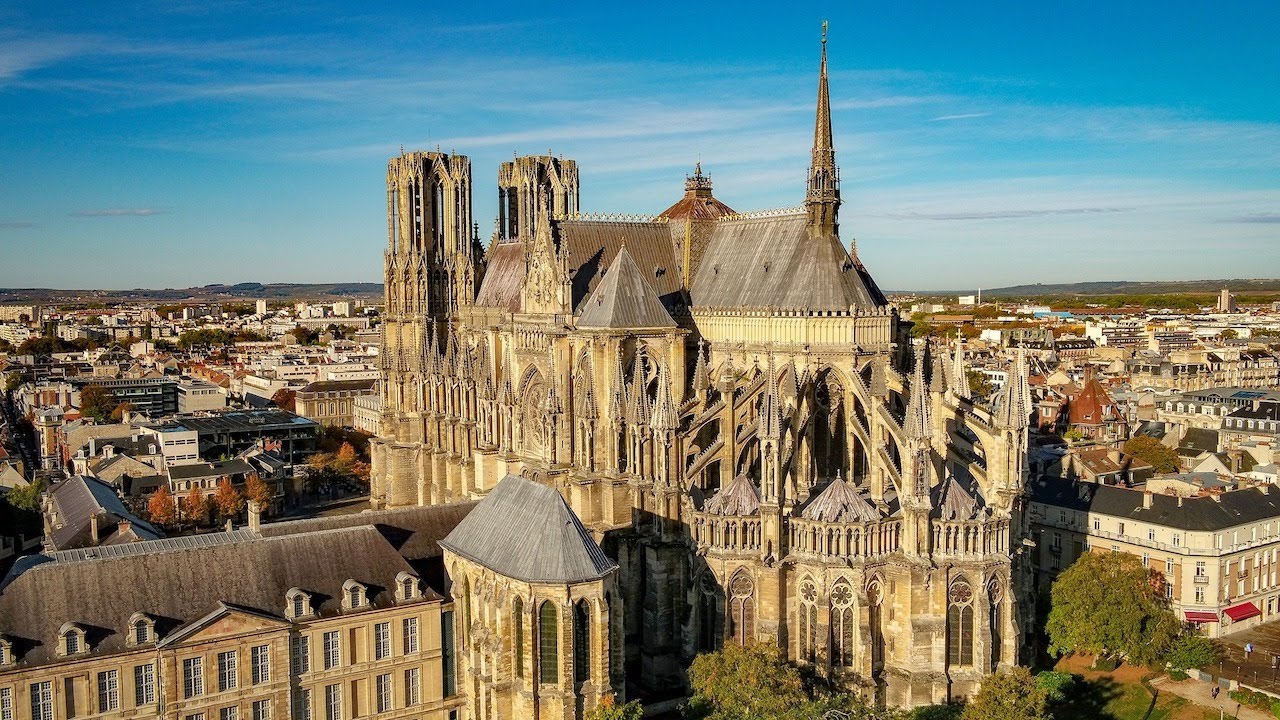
(685, 430)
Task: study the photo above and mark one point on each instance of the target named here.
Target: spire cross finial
(824, 32)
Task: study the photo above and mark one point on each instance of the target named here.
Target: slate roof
(624, 299)
(1196, 513)
(415, 532)
(1204, 440)
(178, 581)
(339, 386)
(80, 498)
(592, 246)
(953, 501)
(503, 277)
(839, 502)
(234, 466)
(739, 497)
(526, 531)
(1265, 410)
(779, 262)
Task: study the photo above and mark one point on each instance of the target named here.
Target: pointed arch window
(808, 621)
(548, 644)
(517, 639)
(709, 614)
(581, 642)
(742, 608)
(875, 614)
(842, 624)
(960, 624)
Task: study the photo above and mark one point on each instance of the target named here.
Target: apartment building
(346, 617)
(332, 402)
(1217, 552)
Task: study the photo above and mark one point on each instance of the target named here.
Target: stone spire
(918, 422)
(638, 409)
(552, 404)
(666, 416)
(959, 373)
(618, 397)
(822, 201)
(1014, 404)
(701, 376)
(770, 427)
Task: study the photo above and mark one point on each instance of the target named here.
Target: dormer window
(297, 604)
(6, 652)
(407, 587)
(71, 640)
(353, 595)
(142, 629)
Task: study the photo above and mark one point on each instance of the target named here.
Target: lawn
(1119, 695)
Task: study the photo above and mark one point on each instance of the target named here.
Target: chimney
(95, 527)
(230, 526)
(1179, 500)
(1217, 497)
(1147, 499)
(255, 516)
(1265, 488)
(124, 526)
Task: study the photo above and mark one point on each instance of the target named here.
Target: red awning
(1196, 616)
(1243, 611)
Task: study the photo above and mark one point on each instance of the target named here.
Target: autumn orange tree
(228, 501)
(160, 507)
(194, 507)
(257, 491)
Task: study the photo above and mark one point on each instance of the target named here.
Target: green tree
(1229, 334)
(97, 402)
(27, 497)
(1009, 695)
(979, 383)
(1192, 651)
(1109, 603)
(746, 682)
(610, 709)
(1150, 450)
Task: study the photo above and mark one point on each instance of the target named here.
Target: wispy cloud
(1264, 218)
(16, 225)
(120, 212)
(1009, 214)
(961, 116)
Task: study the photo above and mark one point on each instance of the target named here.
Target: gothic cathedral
(699, 428)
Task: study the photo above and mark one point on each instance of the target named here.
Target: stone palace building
(699, 428)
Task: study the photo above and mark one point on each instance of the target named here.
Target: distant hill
(206, 293)
(1130, 287)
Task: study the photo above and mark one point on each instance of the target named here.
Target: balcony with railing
(972, 539)
(727, 533)
(854, 541)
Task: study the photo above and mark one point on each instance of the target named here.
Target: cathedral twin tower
(686, 430)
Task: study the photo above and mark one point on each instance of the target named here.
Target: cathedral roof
(739, 497)
(839, 502)
(781, 262)
(593, 245)
(503, 277)
(624, 299)
(524, 530)
(698, 204)
(952, 501)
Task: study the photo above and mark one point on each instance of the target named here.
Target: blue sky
(177, 143)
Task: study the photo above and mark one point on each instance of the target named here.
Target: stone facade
(729, 405)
